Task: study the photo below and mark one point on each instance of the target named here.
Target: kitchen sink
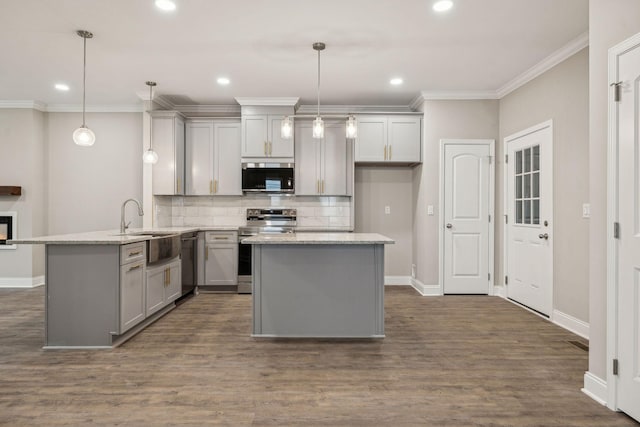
(161, 245)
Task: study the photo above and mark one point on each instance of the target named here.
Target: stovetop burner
(269, 221)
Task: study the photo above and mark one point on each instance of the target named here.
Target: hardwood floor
(446, 361)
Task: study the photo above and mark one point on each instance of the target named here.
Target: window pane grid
(527, 186)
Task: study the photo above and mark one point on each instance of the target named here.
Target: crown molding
(268, 102)
(77, 108)
(353, 109)
(565, 52)
(28, 104)
(208, 109)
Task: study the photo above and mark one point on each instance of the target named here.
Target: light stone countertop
(318, 239)
(112, 237)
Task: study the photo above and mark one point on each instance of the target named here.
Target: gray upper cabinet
(261, 138)
(213, 157)
(389, 139)
(168, 143)
(322, 166)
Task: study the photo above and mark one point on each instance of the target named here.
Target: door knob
(544, 236)
(449, 225)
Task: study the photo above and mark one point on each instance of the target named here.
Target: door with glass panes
(529, 210)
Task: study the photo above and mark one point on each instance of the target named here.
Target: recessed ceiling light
(223, 81)
(166, 5)
(396, 81)
(62, 87)
(442, 5)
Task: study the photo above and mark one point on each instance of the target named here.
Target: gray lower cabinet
(163, 285)
(132, 286)
(221, 258)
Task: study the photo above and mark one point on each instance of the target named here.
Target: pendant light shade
(286, 128)
(352, 127)
(150, 156)
(318, 128)
(83, 136)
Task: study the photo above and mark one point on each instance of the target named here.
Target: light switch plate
(430, 210)
(387, 210)
(586, 210)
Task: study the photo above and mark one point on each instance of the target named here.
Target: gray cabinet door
(132, 295)
(221, 264)
(404, 139)
(156, 279)
(199, 158)
(307, 169)
(227, 159)
(278, 147)
(371, 142)
(254, 136)
(173, 287)
(334, 161)
(168, 143)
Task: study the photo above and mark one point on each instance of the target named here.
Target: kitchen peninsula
(103, 287)
(318, 285)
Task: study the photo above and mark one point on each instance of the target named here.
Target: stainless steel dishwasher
(189, 262)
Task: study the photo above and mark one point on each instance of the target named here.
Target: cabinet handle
(215, 185)
(206, 253)
(135, 267)
(211, 187)
(270, 147)
(385, 152)
(135, 253)
(220, 238)
(168, 276)
(265, 148)
(390, 152)
(177, 185)
(323, 186)
(318, 186)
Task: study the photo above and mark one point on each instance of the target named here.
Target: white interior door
(529, 207)
(628, 299)
(467, 206)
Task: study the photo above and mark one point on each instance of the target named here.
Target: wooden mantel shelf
(10, 190)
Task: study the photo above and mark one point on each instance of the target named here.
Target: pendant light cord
(84, 80)
(150, 117)
(318, 83)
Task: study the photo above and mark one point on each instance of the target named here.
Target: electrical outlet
(413, 271)
(586, 210)
(387, 210)
(430, 210)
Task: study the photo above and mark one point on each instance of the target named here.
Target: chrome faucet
(123, 225)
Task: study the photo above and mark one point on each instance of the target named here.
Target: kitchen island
(321, 285)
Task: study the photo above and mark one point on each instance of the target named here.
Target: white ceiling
(264, 47)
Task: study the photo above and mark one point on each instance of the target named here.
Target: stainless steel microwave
(267, 178)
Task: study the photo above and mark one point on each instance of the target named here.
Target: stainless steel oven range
(260, 221)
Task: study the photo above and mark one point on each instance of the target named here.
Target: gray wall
(375, 188)
(87, 185)
(561, 94)
(22, 148)
(610, 22)
(442, 120)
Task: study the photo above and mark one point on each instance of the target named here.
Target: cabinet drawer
(132, 252)
(221, 236)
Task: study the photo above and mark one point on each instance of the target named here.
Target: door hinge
(506, 280)
(616, 230)
(489, 218)
(615, 366)
(506, 158)
(506, 219)
(617, 91)
(488, 276)
(490, 159)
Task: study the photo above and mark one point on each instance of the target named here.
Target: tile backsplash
(330, 213)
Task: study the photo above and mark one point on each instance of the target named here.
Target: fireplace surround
(8, 229)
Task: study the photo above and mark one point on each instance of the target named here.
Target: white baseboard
(570, 323)
(21, 282)
(595, 387)
(397, 280)
(426, 290)
(500, 291)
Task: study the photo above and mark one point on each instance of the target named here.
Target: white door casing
(623, 241)
(529, 217)
(466, 212)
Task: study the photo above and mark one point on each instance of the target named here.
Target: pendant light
(352, 127)
(84, 136)
(318, 124)
(150, 156)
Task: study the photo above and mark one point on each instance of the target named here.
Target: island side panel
(329, 290)
(82, 295)
(256, 269)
